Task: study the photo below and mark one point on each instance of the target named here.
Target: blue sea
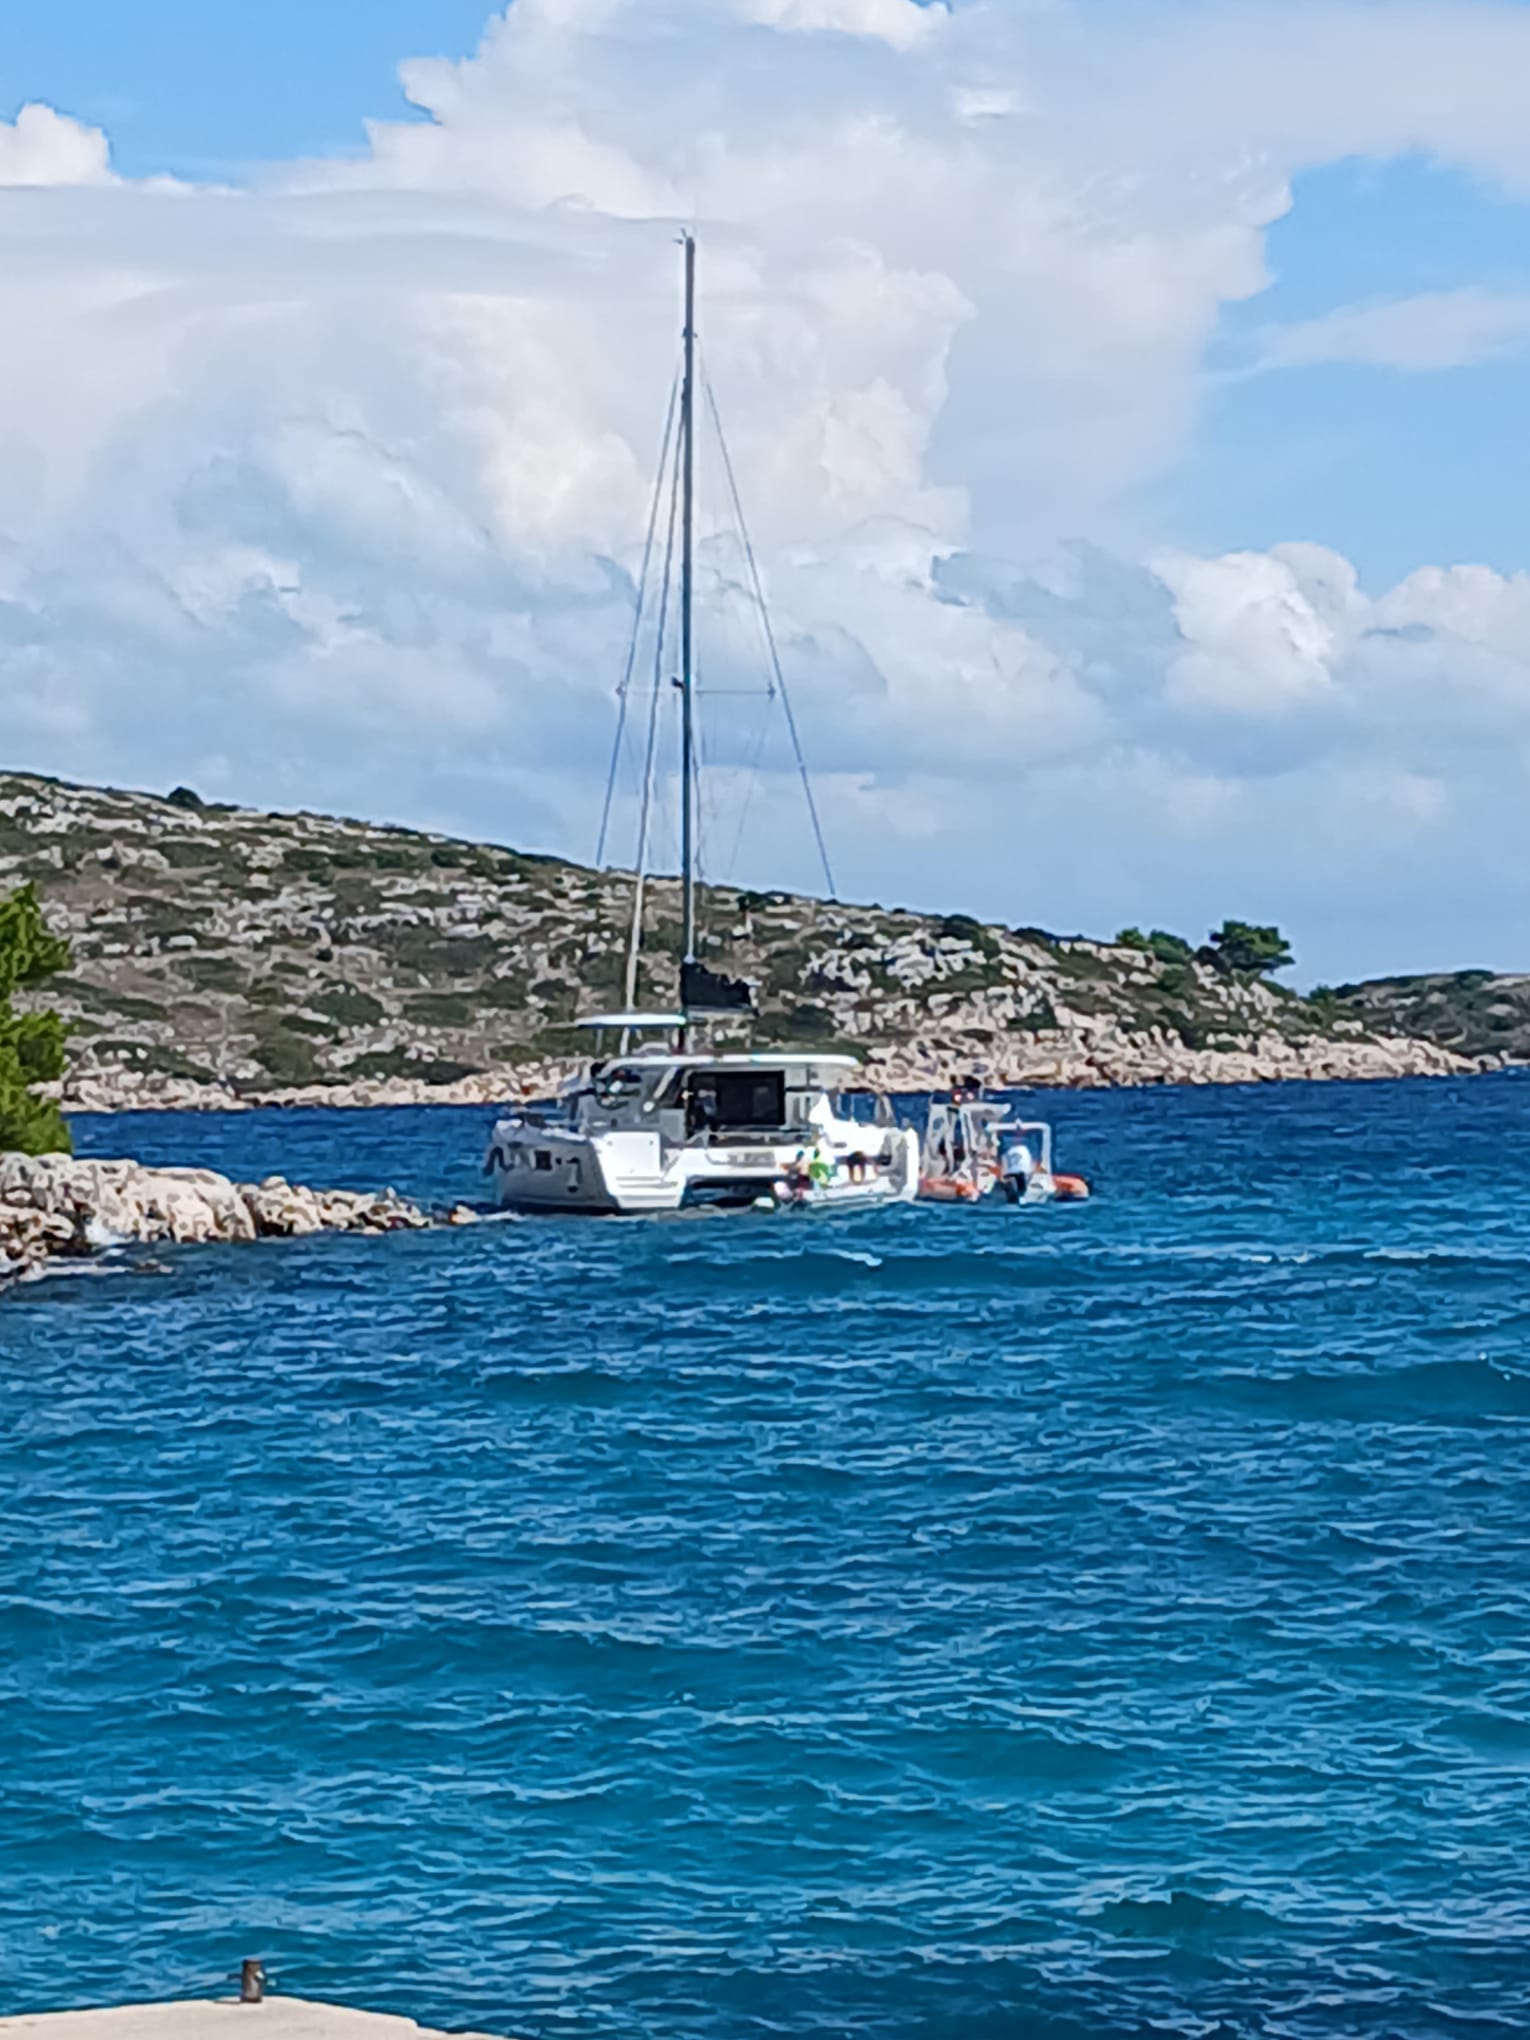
(1064, 1623)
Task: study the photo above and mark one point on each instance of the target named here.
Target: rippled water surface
(1088, 1622)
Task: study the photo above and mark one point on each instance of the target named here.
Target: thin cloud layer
(1433, 330)
(331, 489)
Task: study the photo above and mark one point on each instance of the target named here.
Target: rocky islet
(57, 1207)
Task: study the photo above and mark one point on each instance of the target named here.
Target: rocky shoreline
(55, 1207)
(1025, 1063)
(224, 959)
(1133, 1062)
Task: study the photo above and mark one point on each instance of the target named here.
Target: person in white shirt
(1017, 1165)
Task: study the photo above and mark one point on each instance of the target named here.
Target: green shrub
(1177, 981)
(288, 1058)
(397, 1062)
(963, 983)
(349, 1005)
(504, 994)
(182, 855)
(559, 1041)
(441, 1009)
(398, 857)
(171, 1062)
(306, 863)
(32, 1045)
(805, 1023)
(419, 946)
(1078, 963)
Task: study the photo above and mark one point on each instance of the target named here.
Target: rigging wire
(706, 797)
(708, 823)
(770, 636)
(635, 937)
(751, 781)
(637, 624)
(732, 587)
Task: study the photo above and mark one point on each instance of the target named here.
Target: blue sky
(1130, 399)
(1387, 467)
(202, 89)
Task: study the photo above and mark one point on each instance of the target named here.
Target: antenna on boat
(687, 676)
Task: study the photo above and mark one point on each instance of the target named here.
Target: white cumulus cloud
(336, 484)
(43, 147)
(903, 23)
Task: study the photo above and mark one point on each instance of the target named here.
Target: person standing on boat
(704, 1114)
(1017, 1165)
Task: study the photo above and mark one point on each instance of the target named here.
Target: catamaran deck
(226, 2019)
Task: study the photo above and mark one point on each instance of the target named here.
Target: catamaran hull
(547, 1171)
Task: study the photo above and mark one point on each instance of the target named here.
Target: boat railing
(538, 1115)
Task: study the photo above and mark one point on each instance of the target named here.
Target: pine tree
(1244, 949)
(32, 1045)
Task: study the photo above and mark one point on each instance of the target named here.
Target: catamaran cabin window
(735, 1099)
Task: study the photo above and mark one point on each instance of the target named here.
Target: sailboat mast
(687, 674)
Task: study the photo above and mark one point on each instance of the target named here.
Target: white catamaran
(669, 1124)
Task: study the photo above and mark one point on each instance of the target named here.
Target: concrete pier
(222, 2019)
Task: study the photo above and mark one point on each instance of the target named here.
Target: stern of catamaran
(657, 1129)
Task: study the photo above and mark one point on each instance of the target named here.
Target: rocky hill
(223, 948)
(1473, 1012)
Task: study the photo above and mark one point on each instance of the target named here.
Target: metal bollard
(252, 1981)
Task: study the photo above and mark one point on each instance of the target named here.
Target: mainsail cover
(707, 991)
